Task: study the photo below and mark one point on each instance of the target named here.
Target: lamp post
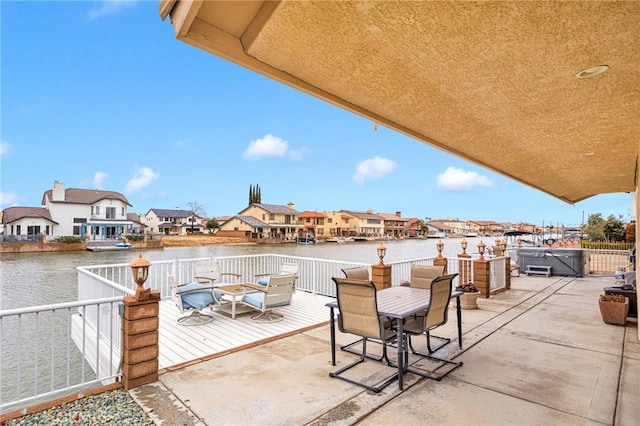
(440, 247)
(464, 243)
(503, 247)
(481, 247)
(382, 250)
(140, 270)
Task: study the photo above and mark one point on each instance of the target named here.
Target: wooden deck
(181, 344)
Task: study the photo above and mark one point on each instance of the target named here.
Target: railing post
(381, 276)
(140, 340)
(507, 273)
(482, 276)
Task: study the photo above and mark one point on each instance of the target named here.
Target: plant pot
(614, 312)
(469, 300)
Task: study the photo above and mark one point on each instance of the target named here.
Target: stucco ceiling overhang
(491, 82)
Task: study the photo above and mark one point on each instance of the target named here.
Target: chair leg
(429, 355)
(267, 317)
(360, 360)
(195, 318)
(445, 341)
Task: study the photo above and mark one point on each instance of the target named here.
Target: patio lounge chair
(434, 317)
(285, 269)
(358, 314)
(193, 297)
(209, 272)
(276, 293)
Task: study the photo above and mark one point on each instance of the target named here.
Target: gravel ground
(109, 408)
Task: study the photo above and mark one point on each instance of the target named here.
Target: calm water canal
(30, 279)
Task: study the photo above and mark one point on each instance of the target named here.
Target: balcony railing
(48, 351)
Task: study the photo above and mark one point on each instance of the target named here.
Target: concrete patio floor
(536, 354)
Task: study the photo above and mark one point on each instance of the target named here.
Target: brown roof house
(72, 212)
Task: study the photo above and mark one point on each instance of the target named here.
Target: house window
(308, 220)
(97, 210)
(272, 217)
(111, 212)
(329, 220)
(33, 230)
(17, 229)
(46, 232)
(76, 230)
(123, 213)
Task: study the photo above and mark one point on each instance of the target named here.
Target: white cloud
(454, 179)
(373, 168)
(272, 146)
(7, 199)
(143, 177)
(98, 178)
(5, 147)
(109, 7)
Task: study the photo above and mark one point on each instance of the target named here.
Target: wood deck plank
(180, 344)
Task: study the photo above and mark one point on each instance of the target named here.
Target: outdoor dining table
(398, 303)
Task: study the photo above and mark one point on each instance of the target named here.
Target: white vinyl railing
(38, 360)
(46, 351)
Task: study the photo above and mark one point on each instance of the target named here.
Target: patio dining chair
(421, 277)
(358, 315)
(435, 316)
(362, 273)
(192, 298)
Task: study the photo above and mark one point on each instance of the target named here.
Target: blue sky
(101, 95)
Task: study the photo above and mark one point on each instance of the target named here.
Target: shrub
(135, 237)
(617, 298)
(467, 288)
(66, 239)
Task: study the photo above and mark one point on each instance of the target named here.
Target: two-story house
(394, 224)
(72, 212)
(313, 223)
(172, 221)
(368, 223)
(282, 220)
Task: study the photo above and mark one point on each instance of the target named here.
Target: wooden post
(381, 276)
(507, 272)
(481, 276)
(140, 346)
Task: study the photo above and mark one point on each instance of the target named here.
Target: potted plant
(469, 297)
(614, 308)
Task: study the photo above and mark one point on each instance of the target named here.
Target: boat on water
(340, 240)
(437, 235)
(117, 246)
(307, 239)
(471, 234)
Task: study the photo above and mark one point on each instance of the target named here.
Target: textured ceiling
(491, 82)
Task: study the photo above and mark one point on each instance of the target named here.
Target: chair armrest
(230, 273)
(203, 277)
(265, 274)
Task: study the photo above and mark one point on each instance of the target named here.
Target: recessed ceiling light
(592, 71)
(588, 154)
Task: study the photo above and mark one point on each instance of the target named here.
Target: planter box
(469, 300)
(613, 312)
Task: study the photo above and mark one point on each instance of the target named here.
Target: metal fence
(45, 351)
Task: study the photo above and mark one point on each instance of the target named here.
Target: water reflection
(30, 279)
